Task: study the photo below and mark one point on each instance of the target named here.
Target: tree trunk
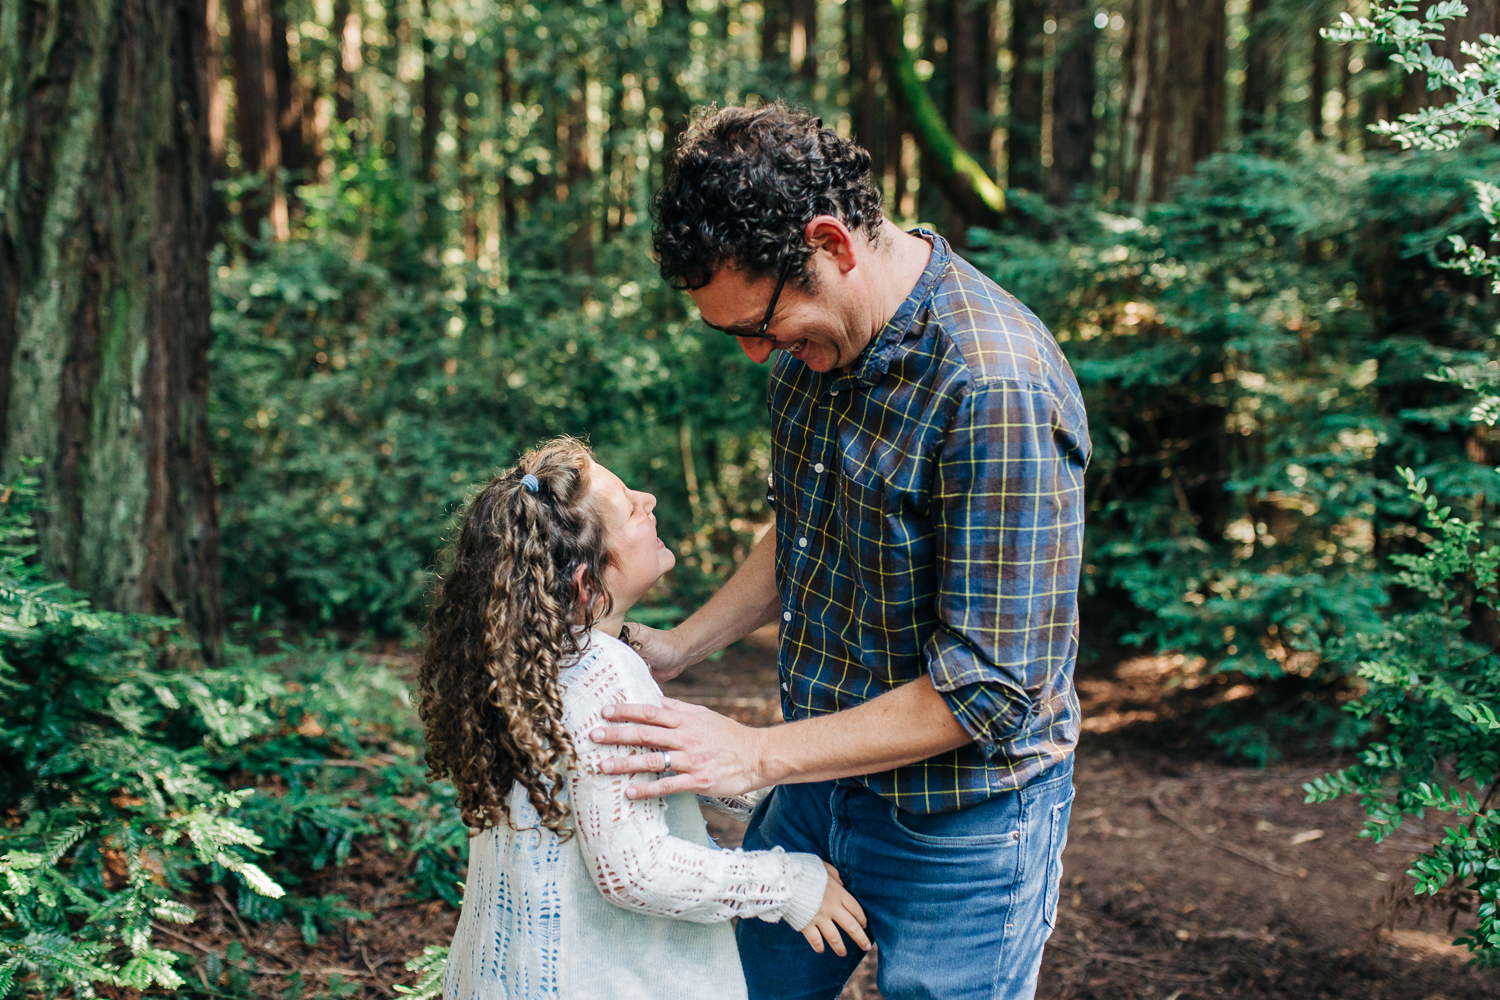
(468, 173)
(1483, 19)
(958, 174)
(506, 94)
(773, 25)
(804, 39)
(1317, 84)
(1175, 114)
(1258, 78)
(291, 102)
(433, 229)
(218, 114)
(346, 28)
(864, 62)
(576, 195)
(1073, 127)
(1024, 135)
(255, 116)
(104, 297)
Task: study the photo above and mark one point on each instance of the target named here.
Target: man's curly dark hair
(744, 183)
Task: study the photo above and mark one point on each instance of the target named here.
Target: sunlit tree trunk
(104, 296)
(804, 39)
(1073, 127)
(951, 167)
(255, 104)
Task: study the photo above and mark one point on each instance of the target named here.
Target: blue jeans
(960, 903)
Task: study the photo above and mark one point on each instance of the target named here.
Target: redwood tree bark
(255, 104)
(1073, 128)
(1175, 110)
(1259, 81)
(433, 225)
(346, 27)
(1023, 142)
(804, 40)
(104, 297)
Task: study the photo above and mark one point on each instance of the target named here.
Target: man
(929, 444)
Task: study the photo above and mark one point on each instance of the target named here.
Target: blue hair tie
(531, 483)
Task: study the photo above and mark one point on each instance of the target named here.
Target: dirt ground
(1185, 878)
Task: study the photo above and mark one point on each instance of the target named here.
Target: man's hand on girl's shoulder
(712, 754)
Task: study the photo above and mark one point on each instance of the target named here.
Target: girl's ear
(586, 595)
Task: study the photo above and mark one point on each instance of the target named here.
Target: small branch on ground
(1224, 845)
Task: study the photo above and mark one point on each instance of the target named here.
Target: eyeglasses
(765, 324)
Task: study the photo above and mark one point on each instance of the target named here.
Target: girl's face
(640, 558)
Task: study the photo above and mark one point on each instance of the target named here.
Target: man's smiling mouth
(797, 348)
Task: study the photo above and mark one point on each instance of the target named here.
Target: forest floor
(1184, 878)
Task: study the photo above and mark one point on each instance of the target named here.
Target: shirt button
(802, 542)
(835, 392)
(786, 616)
(784, 687)
(818, 467)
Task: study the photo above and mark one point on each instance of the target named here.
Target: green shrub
(121, 771)
(1431, 669)
(354, 411)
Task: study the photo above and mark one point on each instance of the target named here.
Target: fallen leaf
(1306, 836)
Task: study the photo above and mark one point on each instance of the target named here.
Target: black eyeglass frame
(765, 324)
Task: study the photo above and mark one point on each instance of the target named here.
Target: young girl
(573, 889)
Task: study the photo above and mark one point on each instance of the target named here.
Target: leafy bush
(1252, 355)
(120, 762)
(1435, 687)
(1432, 669)
(354, 411)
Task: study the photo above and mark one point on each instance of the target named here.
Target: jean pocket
(1057, 839)
(977, 826)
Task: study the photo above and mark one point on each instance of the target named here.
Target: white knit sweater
(636, 904)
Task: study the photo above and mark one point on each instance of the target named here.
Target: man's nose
(757, 349)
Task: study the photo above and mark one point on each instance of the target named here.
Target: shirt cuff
(809, 881)
(989, 713)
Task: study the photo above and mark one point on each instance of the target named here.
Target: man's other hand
(660, 649)
(711, 754)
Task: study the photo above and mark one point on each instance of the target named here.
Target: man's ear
(828, 234)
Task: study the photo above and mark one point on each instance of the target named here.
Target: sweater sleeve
(633, 858)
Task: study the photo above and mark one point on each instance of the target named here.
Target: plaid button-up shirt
(929, 520)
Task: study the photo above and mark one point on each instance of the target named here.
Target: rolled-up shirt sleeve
(1007, 511)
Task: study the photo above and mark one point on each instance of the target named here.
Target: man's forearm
(745, 603)
(911, 723)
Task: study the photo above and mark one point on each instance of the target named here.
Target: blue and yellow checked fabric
(929, 519)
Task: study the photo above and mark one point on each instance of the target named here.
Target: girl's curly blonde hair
(506, 617)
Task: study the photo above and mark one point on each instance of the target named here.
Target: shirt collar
(876, 357)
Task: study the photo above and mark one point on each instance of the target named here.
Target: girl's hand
(839, 909)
